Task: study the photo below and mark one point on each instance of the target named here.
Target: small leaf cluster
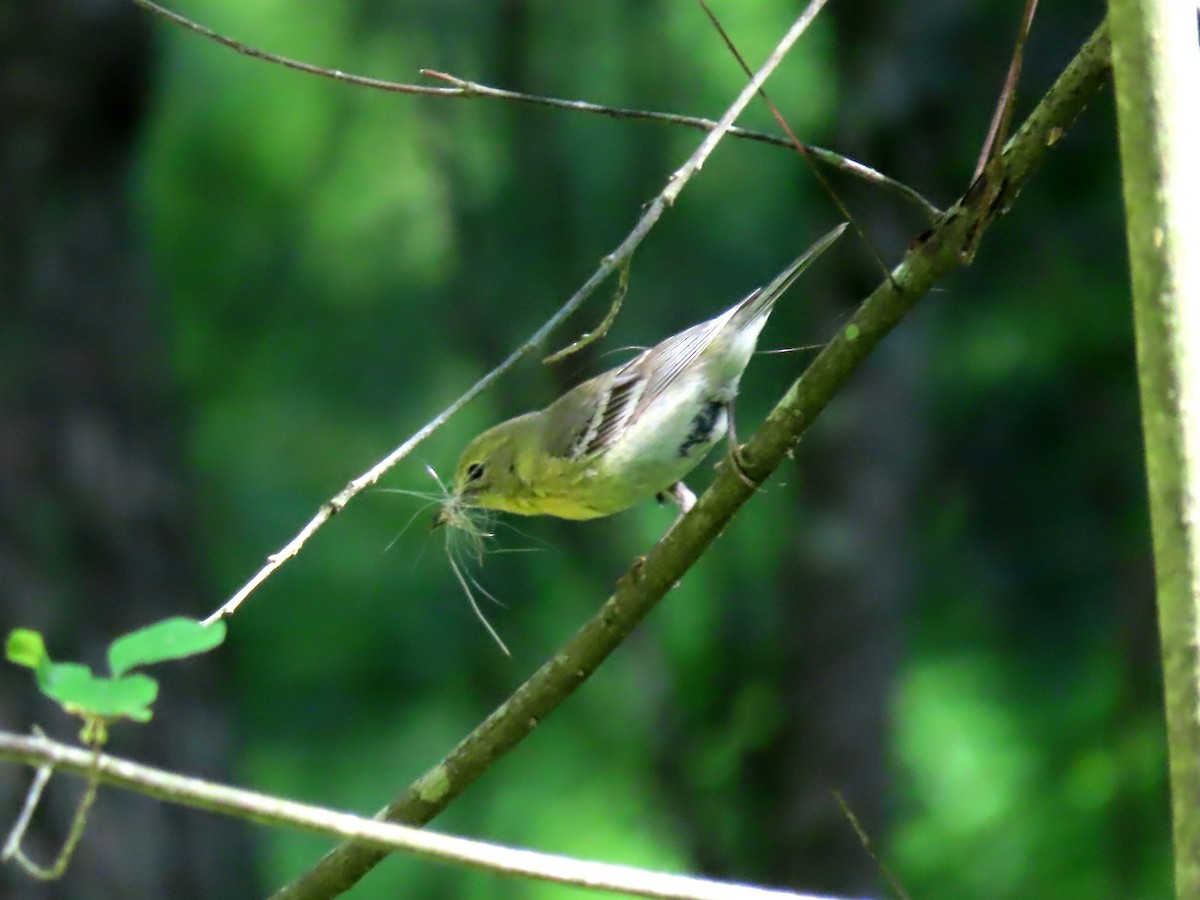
(102, 699)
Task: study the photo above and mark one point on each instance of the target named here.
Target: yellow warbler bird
(629, 434)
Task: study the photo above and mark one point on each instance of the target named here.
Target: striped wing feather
(591, 417)
(631, 389)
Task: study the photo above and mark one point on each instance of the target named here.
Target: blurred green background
(942, 609)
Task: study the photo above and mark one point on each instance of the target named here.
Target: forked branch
(650, 577)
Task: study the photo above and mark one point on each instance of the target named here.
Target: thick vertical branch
(1156, 66)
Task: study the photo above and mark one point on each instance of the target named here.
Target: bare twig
(998, 129)
(600, 330)
(989, 155)
(378, 84)
(654, 210)
(868, 845)
(12, 847)
(251, 805)
(828, 157)
(464, 89)
(803, 149)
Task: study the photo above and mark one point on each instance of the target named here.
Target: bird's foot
(739, 468)
(679, 494)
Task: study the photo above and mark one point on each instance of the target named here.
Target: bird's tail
(761, 301)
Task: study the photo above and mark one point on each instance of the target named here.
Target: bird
(627, 435)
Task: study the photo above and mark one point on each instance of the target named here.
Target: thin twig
(600, 330)
(263, 808)
(652, 576)
(998, 129)
(867, 844)
(378, 84)
(12, 845)
(989, 155)
(801, 147)
(654, 210)
(464, 89)
(1156, 65)
(829, 157)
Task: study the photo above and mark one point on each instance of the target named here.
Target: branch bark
(652, 576)
(1156, 65)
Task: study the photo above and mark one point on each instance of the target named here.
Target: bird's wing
(613, 413)
(661, 365)
(592, 416)
(574, 420)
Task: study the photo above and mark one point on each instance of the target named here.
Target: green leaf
(79, 692)
(169, 639)
(25, 647)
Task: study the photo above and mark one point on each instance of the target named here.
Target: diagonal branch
(610, 263)
(652, 576)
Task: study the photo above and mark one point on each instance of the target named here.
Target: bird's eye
(474, 471)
